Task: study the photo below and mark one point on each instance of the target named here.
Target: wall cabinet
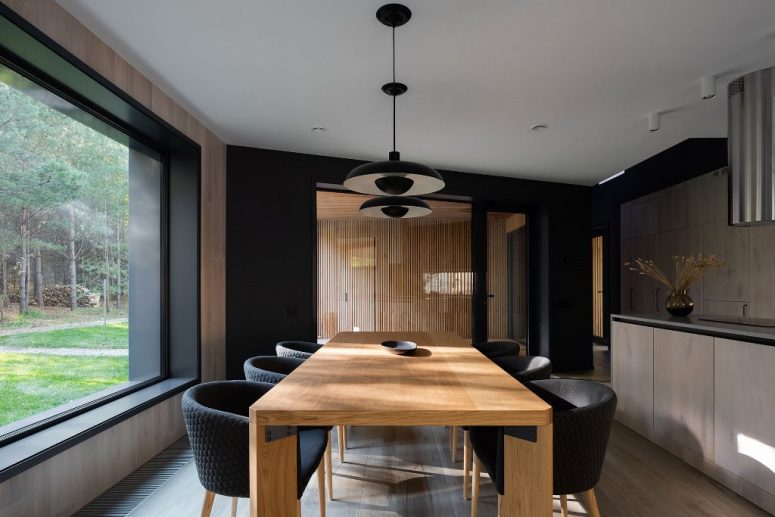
(688, 219)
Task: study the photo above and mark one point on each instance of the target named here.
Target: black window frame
(27, 51)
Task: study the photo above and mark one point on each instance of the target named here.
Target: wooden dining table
(353, 380)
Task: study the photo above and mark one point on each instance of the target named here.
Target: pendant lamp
(394, 177)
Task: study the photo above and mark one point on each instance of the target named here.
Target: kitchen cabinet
(683, 389)
(633, 373)
(744, 416)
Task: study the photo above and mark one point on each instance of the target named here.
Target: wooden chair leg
(322, 488)
(467, 451)
(475, 486)
(453, 445)
(207, 505)
(340, 438)
(234, 503)
(594, 511)
(329, 469)
(564, 505)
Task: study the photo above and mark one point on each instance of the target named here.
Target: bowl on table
(400, 347)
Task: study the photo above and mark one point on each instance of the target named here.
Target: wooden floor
(408, 471)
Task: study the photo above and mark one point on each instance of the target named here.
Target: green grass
(115, 335)
(32, 383)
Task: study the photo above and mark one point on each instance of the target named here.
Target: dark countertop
(692, 323)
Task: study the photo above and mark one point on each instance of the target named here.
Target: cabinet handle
(745, 310)
(656, 300)
(632, 291)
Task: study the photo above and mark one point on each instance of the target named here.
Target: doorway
(503, 296)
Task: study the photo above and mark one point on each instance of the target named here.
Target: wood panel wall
(50, 488)
(372, 272)
(372, 275)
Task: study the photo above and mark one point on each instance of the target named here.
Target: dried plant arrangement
(687, 269)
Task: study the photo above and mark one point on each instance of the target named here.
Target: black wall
(271, 252)
(687, 160)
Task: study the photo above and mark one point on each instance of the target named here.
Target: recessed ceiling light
(540, 127)
(319, 129)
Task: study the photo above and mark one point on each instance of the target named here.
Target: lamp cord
(394, 80)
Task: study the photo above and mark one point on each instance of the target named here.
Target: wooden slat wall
(380, 264)
(597, 286)
(113, 454)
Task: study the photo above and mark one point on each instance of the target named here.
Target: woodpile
(59, 296)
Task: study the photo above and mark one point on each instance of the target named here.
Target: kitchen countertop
(692, 323)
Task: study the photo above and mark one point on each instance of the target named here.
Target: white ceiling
(261, 73)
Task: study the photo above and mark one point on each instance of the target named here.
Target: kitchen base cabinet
(633, 374)
(745, 411)
(709, 399)
(683, 389)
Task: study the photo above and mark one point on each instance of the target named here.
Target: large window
(80, 257)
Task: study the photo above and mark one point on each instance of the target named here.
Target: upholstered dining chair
(491, 349)
(583, 413)
(304, 350)
(526, 367)
(297, 349)
(272, 369)
(523, 368)
(498, 348)
(216, 417)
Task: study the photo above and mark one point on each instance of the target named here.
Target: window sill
(27, 452)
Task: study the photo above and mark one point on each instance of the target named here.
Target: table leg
(272, 474)
(528, 474)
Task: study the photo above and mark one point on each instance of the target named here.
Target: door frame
(479, 250)
(603, 231)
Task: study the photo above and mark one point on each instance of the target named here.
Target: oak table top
(352, 380)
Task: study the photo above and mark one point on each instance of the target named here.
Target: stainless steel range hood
(750, 144)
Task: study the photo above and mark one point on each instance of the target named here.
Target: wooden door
(357, 280)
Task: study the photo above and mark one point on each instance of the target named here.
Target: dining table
(353, 380)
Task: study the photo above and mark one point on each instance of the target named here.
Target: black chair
(498, 348)
(216, 416)
(270, 368)
(583, 413)
(297, 349)
(491, 349)
(523, 368)
(526, 367)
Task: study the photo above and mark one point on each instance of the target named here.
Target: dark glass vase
(679, 303)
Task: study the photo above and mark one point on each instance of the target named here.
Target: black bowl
(400, 347)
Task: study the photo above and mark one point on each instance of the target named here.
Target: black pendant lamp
(395, 207)
(394, 177)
